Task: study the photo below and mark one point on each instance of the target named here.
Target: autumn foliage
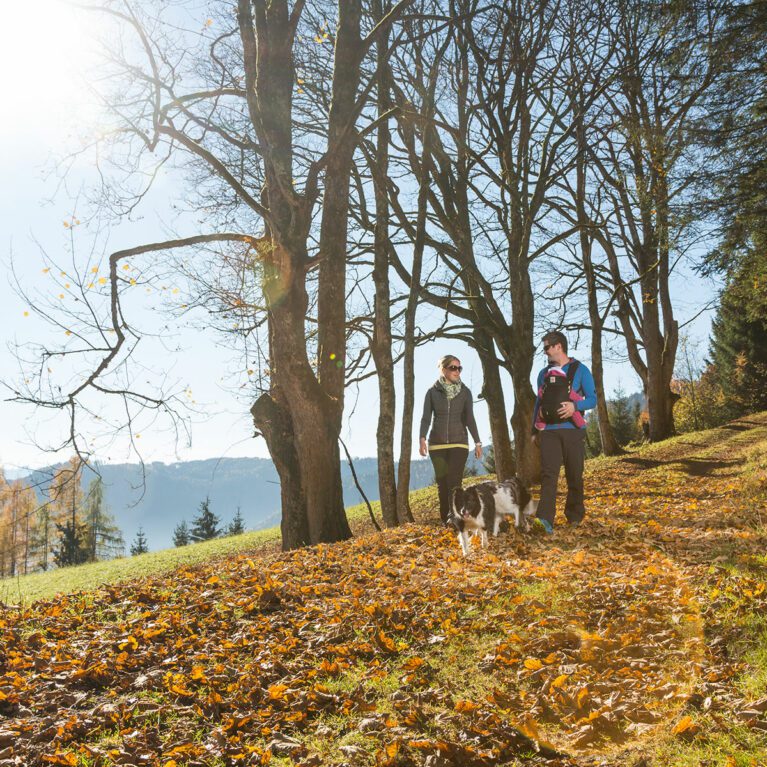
(390, 649)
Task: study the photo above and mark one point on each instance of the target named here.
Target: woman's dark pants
(562, 446)
(448, 471)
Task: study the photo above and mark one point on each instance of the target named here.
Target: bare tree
(275, 189)
(502, 144)
(647, 156)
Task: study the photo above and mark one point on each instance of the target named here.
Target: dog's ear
(458, 499)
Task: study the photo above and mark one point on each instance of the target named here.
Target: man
(565, 391)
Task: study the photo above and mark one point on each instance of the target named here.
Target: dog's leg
(531, 508)
(528, 513)
(463, 539)
(483, 538)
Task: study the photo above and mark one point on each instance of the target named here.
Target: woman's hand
(422, 449)
(478, 450)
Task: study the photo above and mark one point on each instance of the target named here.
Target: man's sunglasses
(546, 347)
(455, 367)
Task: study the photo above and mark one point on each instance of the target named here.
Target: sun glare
(47, 49)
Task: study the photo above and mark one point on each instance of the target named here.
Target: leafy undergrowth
(638, 638)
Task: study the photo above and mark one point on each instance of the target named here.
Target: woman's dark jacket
(451, 417)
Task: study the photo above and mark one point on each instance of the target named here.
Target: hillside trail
(582, 648)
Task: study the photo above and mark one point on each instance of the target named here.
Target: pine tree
(139, 545)
(593, 437)
(237, 525)
(73, 544)
(205, 525)
(42, 538)
(739, 350)
(181, 534)
(104, 537)
(488, 460)
(622, 418)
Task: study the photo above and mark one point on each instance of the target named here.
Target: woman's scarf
(450, 389)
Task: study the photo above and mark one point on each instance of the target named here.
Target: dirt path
(610, 644)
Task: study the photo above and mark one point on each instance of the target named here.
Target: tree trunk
(273, 422)
(303, 440)
(660, 398)
(382, 336)
(314, 415)
(404, 512)
(610, 445)
(492, 393)
(520, 362)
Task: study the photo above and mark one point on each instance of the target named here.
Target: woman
(450, 403)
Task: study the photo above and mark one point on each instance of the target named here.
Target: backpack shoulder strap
(571, 370)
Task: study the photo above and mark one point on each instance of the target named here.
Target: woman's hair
(447, 360)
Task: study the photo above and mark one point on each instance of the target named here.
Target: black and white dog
(483, 507)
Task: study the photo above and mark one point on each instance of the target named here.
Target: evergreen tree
(739, 348)
(622, 418)
(488, 460)
(237, 525)
(104, 537)
(42, 538)
(593, 437)
(73, 544)
(205, 525)
(181, 534)
(139, 545)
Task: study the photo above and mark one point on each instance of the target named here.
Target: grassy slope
(641, 636)
(23, 590)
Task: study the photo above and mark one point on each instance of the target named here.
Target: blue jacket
(583, 383)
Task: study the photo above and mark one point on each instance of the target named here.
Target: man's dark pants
(448, 464)
(560, 446)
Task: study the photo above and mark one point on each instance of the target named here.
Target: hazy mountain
(168, 493)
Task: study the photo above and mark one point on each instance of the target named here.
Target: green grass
(23, 590)
(30, 588)
(40, 586)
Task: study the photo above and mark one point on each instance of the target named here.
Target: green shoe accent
(542, 526)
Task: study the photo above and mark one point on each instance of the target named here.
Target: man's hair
(555, 337)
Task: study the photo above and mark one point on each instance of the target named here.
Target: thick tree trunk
(312, 402)
(660, 398)
(314, 415)
(528, 461)
(273, 422)
(492, 393)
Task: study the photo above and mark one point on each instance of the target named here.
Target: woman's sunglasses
(455, 367)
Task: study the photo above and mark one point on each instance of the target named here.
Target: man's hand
(566, 410)
(534, 438)
(478, 450)
(422, 447)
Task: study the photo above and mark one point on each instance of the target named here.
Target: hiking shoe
(542, 526)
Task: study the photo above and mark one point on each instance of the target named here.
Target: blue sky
(51, 109)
